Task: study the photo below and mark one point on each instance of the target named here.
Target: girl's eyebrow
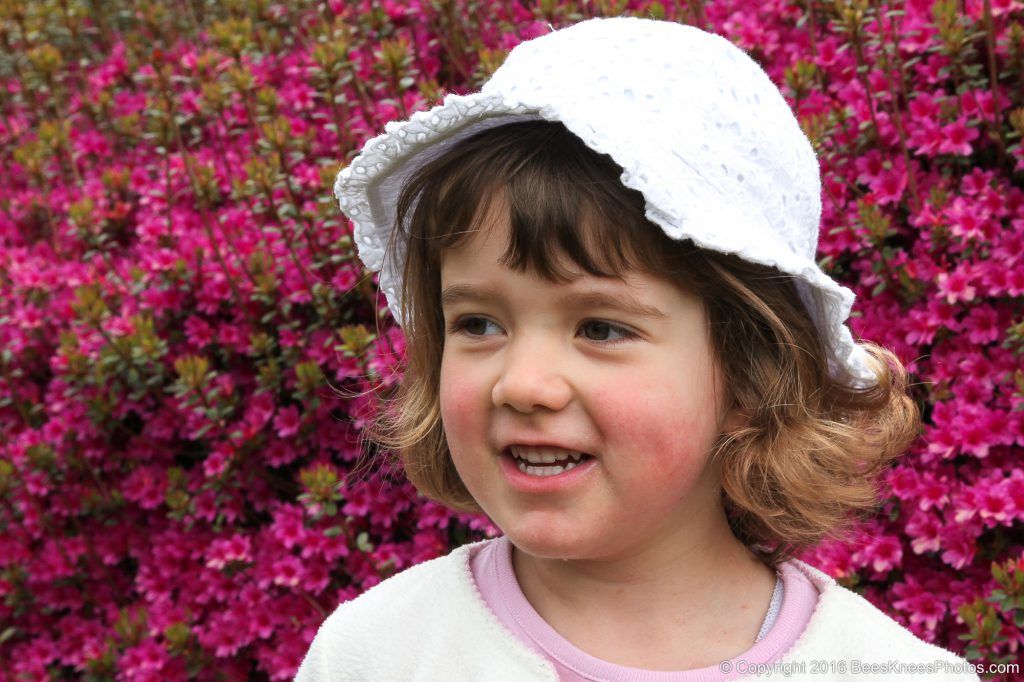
(580, 299)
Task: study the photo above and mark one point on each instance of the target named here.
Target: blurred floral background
(189, 347)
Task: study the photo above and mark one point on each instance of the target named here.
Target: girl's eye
(476, 327)
(604, 328)
(469, 325)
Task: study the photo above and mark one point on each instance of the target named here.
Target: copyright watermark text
(831, 667)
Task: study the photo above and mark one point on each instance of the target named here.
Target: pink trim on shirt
(495, 577)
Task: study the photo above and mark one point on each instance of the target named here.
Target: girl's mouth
(549, 468)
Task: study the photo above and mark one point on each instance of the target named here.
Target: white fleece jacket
(429, 622)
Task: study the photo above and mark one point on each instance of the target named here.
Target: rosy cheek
(460, 408)
(655, 431)
(679, 455)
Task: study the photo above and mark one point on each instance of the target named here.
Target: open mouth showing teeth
(535, 464)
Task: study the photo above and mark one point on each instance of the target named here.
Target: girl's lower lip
(526, 483)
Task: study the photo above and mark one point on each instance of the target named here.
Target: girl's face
(638, 391)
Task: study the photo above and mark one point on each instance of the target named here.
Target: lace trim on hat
(405, 145)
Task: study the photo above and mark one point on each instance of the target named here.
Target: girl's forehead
(484, 258)
(471, 274)
(563, 254)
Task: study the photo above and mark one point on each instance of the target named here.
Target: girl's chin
(546, 544)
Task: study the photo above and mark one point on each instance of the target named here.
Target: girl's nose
(532, 378)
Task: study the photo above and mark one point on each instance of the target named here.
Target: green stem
(19, 405)
(167, 195)
(894, 102)
(344, 141)
(812, 31)
(283, 158)
(697, 9)
(113, 269)
(269, 194)
(993, 81)
(110, 342)
(862, 76)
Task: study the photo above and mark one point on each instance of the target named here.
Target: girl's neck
(659, 610)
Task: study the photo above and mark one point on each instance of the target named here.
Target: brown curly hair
(805, 465)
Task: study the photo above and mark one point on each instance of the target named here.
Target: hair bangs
(560, 206)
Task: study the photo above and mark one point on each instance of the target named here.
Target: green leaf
(363, 543)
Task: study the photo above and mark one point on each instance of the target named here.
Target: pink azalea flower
(995, 505)
(889, 186)
(883, 553)
(984, 324)
(924, 530)
(957, 138)
(924, 606)
(225, 550)
(433, 515)
(925, 107)
(927, 138)
(217, 462)
(260, 409)
(976, 181)
(316, 577)
(926, 322)
(221, 637)
(1015, 282)
(288, 571)
(262, 623)
(956, 286)
(927, 609)
(206, 505)
(959, 543)
(146, 486)
(90, 143)
(289, 338)
(191, 102)
(118, 326)
(972, 392)
(974, 438)
(869, 166)
(288, 527)
(933, 493)
(965, 220)
(970, 105)
(145, 657)
(233, 335)
(344, 279)
(299, 95)
(287, 421)
(279, 453)
(35, 483)
(964, 505)
(942, 443)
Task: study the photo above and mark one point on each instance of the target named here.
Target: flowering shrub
(179, 489)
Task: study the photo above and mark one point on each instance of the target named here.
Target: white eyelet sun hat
(697, 126)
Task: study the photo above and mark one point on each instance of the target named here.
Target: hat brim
(368, 188)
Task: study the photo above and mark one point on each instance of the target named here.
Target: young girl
(621, 349)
